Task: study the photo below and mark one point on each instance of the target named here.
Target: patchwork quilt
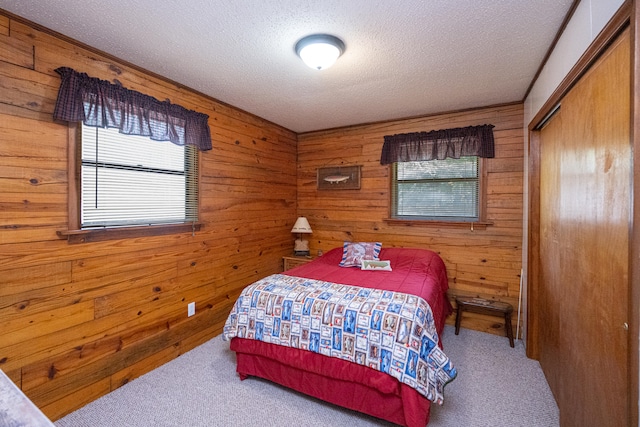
(388, 331)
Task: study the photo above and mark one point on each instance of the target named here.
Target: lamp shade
(301, 226)
(319, 51)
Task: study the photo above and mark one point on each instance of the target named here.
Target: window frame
(480, 223)
(75, 234)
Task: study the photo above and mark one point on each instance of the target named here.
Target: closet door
(585, 183)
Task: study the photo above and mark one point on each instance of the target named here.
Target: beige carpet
(496, 386)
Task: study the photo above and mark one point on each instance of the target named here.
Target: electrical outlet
(191, 309)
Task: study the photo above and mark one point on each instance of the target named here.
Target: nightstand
(289, 262)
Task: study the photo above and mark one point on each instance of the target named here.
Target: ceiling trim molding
(566, 21)
(618, 23)
(416, 117)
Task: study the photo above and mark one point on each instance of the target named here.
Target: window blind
(131, 180)
(436, 190)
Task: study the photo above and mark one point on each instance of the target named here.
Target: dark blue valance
(439, 144)
(99, 103)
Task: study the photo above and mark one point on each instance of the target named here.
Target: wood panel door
(585, 183)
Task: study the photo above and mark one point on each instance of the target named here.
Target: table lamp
(301, 227)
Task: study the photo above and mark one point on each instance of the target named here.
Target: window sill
(477, 225)
(102, 234)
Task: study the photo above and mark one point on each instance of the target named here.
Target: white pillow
(376, 265)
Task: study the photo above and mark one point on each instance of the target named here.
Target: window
(129, 183)
(128, 180)
(437, 190)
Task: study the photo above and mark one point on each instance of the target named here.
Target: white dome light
(319, 51)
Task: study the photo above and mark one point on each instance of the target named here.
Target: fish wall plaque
(339, 177)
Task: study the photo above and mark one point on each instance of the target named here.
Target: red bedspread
(418, 272)
(415, 271)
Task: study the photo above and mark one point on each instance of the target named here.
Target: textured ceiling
(403, 58)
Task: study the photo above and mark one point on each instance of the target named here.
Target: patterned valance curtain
(438, 144)
(99, 103)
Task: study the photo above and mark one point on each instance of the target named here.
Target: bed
(331, 368)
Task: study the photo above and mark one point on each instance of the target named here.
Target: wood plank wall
(480, 262)
(77, 321)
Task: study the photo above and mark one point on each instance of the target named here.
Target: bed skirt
(336, 381)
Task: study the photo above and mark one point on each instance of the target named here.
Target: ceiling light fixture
(319, 51)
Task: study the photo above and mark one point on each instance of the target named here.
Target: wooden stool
(483, 306)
